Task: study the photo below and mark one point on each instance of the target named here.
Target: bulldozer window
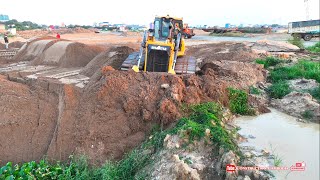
(156, 29)
(165, 28)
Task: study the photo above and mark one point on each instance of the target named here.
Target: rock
(247, 154)
(246, 178)
(296, 104)
(165, 86)
(251, 136)
(265, 152)
(303, 84)
(301, 120)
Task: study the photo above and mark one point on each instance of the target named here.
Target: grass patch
(296, 41)
(277, 161)
(238, 102)
(315, 48)
(279, 89)
(200, 118)
(307, 114)
(303, 69)
(315, 93)
(254, 90)
(269, 61)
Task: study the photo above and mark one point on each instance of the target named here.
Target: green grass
(238, 102)
(303, 69)
(279, 89)
(277, 161)
(297, 42)
(307, 114)
(315, 48)
(254, 90)
(315, 93)
(269, 61)
(200, 117)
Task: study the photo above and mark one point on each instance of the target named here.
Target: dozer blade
(185, 65)
(132, 60)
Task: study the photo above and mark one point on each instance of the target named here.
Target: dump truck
(305, 29)
(187, 31)
(162, 49)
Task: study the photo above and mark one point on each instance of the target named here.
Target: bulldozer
(162, 49)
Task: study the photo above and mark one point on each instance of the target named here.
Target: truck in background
(187, 32)
(305, 29)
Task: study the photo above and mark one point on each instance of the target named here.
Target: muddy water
(291, 140)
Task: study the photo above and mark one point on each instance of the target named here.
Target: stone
(165, 86)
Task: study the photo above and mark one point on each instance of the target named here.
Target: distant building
(4, 18)
(104, 24)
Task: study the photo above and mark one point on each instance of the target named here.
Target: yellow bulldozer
(162, 49)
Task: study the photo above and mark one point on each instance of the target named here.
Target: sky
(195, 12)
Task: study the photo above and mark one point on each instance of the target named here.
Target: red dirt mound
(114, 57)
(33, 49)
(67, 54)
(222, 51)
(111, 115)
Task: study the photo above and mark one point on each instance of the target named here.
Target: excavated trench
(46, 111)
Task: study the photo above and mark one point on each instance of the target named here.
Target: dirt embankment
(54, 52)
(113, 113)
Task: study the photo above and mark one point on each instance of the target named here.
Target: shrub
(316, 93)
(254, 90)
(269, 61)
(307, 114)
(279, 89)
(303, 69)
(315, 48)
(238, 102)
(297, 42)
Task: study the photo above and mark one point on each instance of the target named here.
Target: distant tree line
(24, 25)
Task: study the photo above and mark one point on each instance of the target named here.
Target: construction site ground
(66, 96)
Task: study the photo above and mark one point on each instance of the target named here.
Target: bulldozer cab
(160, 49)
(166, 28)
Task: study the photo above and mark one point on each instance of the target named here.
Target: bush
(279, 90)
(307, 114)
(303, 69)
(315, 93)
(254, 90)
(238, 102)
(297, 42)
(269, 61)
(315, 48)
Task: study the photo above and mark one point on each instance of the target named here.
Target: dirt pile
(50, 51)
(16, 44)
(32, 50)
(300, 105)
(265, 46)
(113, 57)
(222, 51)
(27, 121)
(67, 54)
(116, 109)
